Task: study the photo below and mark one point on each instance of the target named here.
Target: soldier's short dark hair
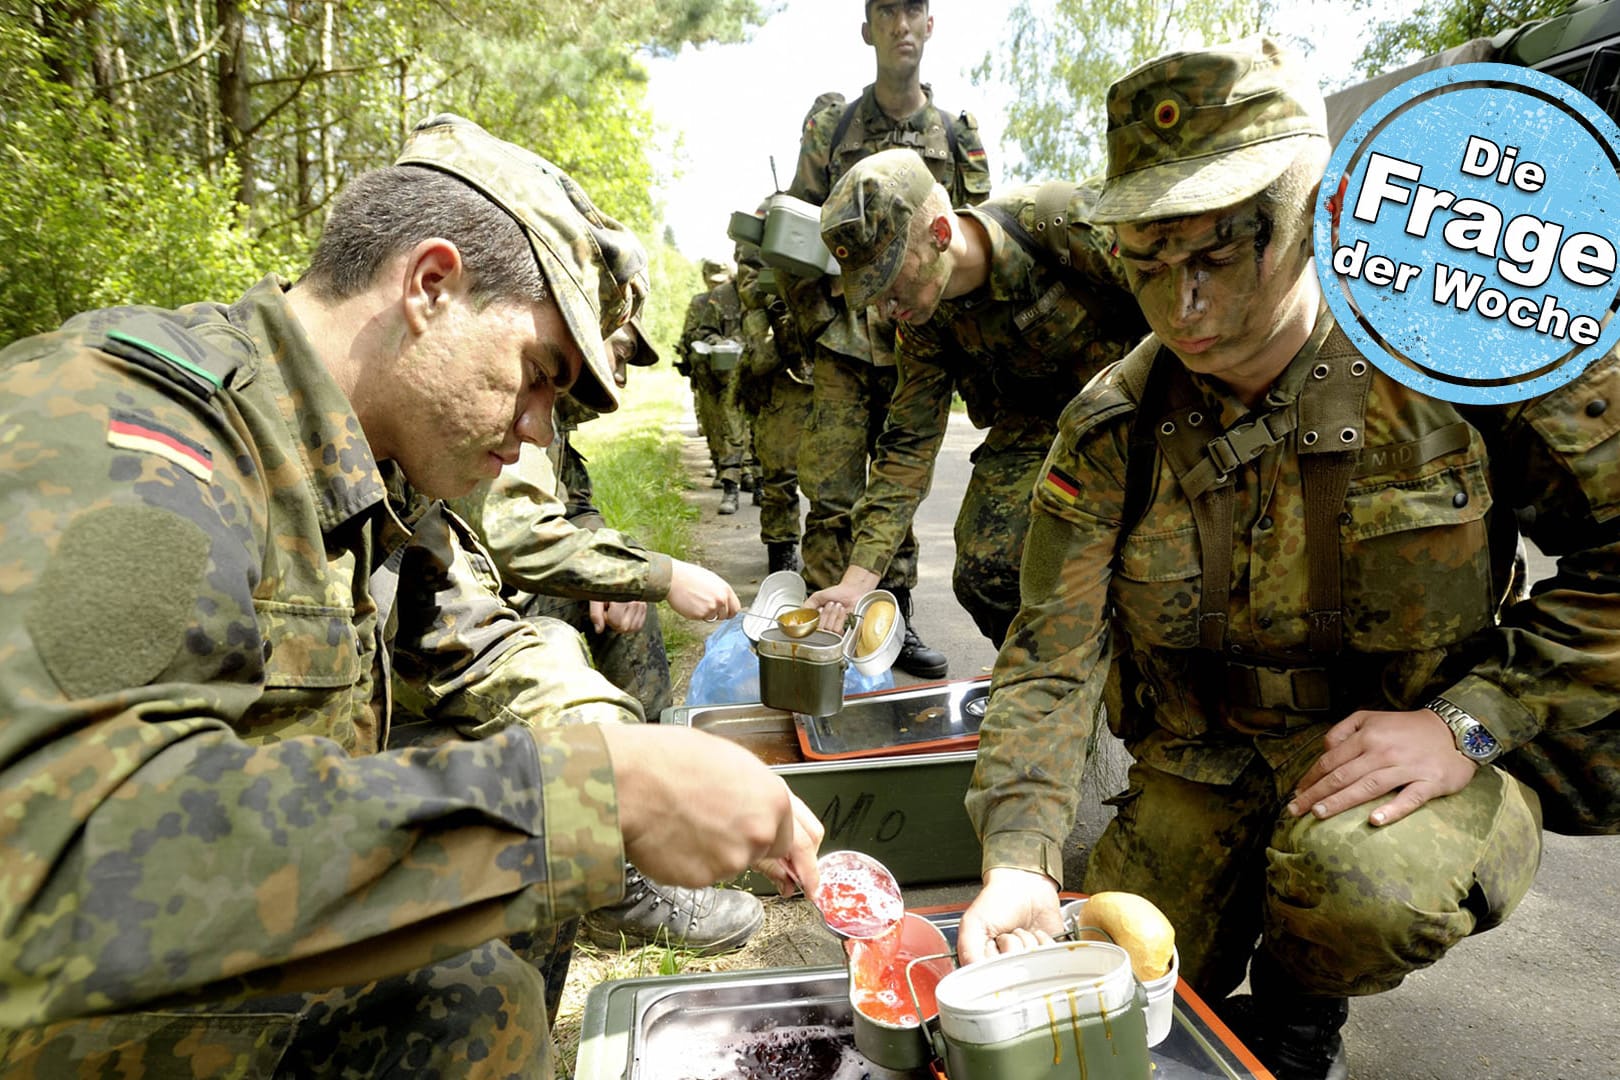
(387, 211)
(866, 6)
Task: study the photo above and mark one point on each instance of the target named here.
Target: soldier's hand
(798, 870)
(1370, 753)
(836, 602)
(695, 808)
(620, 617)
(1016, 910)
(697, 593)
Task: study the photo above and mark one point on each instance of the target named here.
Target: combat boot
(1294, 1033)
(783, 555)
(700, 920)
(728, 499)
(915, 657)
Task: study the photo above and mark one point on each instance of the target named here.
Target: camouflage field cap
(715, 272)
(587, 258)
(645, 355)
(1192, 132)
(866, 217)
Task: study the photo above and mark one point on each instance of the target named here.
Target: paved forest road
(1536, 999)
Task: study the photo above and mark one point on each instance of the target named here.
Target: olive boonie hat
(1192, 132)
(866, 217)
(645, 355)
(715, 272)
(585, 257)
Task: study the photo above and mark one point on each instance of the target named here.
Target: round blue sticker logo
(1467, 233)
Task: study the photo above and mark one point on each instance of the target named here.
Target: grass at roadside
(638, 481)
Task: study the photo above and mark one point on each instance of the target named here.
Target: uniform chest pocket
(1417, 568)
(1157, 586)
(308, 646)
(1050, 322)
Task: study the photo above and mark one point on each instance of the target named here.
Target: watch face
(1478, 743)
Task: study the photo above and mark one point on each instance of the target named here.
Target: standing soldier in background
(720, 322)
(773, 388)
(690, 363)
(1015, 325)
(853, 350)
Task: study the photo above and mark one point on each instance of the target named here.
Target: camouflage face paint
(1220, 289)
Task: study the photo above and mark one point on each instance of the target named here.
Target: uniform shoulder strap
(163, 344)
(846, 118)
(950, 134)
(1146, 374)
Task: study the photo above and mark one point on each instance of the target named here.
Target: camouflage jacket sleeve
(694, 315)
(164, 835)
(903, 461)
(536, 549)
(1050, 671)
(1553, 662)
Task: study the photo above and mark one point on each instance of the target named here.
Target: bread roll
(1137, 926)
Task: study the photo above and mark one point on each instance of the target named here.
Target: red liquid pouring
(878, 976)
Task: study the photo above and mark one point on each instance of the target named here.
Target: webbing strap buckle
(1245, 442)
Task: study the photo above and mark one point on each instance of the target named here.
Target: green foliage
(1435, 27)
(1059, 57)
(127, 176)
(89, 220)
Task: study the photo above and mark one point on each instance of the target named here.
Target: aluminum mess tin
(791, 238)
(1161, 992)
(904, 810)
(882, 658)
(803, 675)
(1067, 1010)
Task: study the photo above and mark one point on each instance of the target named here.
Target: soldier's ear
(928, 28)
(940, 231)
(433, 275)
(866, 32)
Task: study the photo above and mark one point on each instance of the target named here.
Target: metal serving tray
(797, 1023)
(905, 810)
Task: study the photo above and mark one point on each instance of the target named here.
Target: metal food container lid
(818, 647)
(1003, 998)
(882, 658)
(779, 592)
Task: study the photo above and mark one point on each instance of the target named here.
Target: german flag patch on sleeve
(1060, 485)
(131, 431)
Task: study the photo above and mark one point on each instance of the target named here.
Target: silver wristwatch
(1474, 740)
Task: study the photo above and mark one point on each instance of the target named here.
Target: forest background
(166, 151)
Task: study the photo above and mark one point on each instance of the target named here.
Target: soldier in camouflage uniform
(773, 387)
(687, 363)
(853, 349)
(720, 322)
(559, 559)
(1289, 572)
(221, 583)
(1014, 325)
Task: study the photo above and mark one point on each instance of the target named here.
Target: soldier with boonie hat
(243, 641)
(1287, 569)
(1014, 304)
